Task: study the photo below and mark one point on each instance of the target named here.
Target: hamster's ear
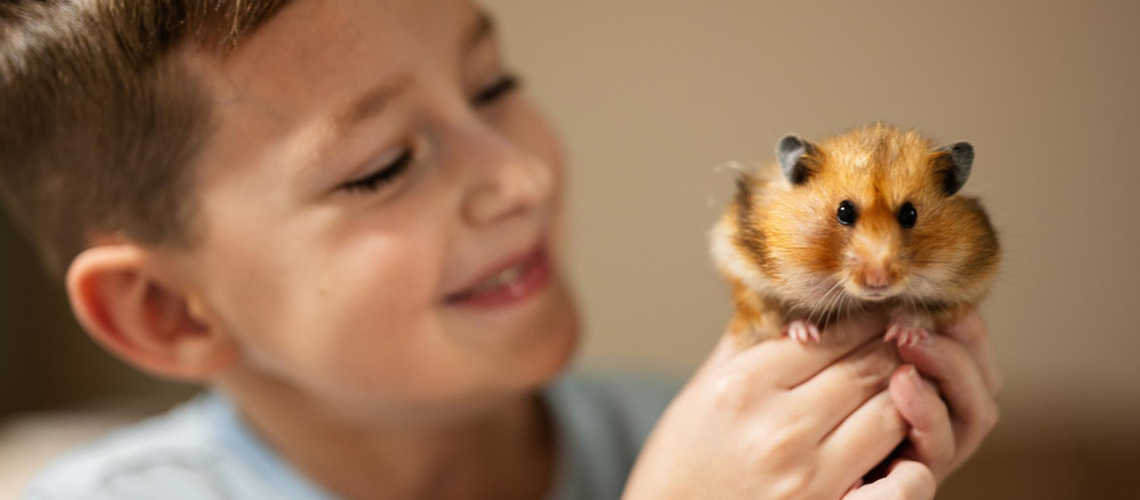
(132, 304)
(952, 165)
(794, 155)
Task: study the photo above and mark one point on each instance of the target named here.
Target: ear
(127, 303)
(952, 166)
(794, 155)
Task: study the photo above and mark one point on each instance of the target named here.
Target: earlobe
(124, 301)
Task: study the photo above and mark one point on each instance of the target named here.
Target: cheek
(372, 304)
(808, 239)
(371, 296)
(827, 249)
(343, 312)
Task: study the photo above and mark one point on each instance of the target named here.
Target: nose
(507, 181)
(876, 250)
(876, 277)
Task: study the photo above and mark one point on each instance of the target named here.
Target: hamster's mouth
(877, 294)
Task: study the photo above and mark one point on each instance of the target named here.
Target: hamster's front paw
(803, 331)
(909, 329)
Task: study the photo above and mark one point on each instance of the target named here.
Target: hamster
(867, 220)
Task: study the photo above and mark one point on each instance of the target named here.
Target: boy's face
(369, 169)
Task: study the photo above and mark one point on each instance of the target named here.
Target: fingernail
(912, 374)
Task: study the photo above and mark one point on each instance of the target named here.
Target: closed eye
(383, 176)
(501, 87)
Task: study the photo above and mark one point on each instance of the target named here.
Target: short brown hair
(99, 120)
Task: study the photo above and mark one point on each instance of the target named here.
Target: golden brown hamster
(867, 220)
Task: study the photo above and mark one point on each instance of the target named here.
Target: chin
(553, 343)
(546, 349)
(521, 351)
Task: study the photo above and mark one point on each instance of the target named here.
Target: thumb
(904, 480)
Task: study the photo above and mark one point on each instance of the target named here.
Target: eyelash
(383, 176)
(505, 85)
(390, 172)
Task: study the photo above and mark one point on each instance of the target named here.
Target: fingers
(931, 434)
(905, 480)
(863, 440)
(971, 332)
(841, 388)
(788, 363)
(973, 410)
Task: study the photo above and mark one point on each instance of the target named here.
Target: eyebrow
(372, 102)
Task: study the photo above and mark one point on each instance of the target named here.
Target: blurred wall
(653, 95)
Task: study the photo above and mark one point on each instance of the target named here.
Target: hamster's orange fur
(787, 258)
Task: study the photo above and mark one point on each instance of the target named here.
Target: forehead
(876, 164)
(274, 94)
(317, 48)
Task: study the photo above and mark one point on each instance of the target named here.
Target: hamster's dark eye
(907, 215)
(846, 213)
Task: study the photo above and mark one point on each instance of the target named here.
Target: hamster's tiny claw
(892, 332)
(908, 329)
(906, 335)
(802, 331)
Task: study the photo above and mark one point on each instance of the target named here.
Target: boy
(343, 217)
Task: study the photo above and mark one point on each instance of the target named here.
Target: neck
(504, 453)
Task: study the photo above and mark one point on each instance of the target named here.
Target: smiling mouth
(521, 279)
(508, 277)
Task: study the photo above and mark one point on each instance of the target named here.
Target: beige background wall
(653, 95)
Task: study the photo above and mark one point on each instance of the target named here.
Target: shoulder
(173, 456)
(603, 422)
(617, 402)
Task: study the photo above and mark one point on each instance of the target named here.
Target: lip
(534, 278)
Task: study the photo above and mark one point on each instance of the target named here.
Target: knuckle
(921, 483)
(874, 369)
(786, 441)
(971, 328)
(926, 478)
(957, 360)
(795, 485)
(890, 418)
(985, 419)
(918, 483)
(731, 393)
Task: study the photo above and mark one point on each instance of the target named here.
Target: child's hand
(784, 420)
(962, 366)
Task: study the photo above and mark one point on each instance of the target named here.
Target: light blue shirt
(203, 451)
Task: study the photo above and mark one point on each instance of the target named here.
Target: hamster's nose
(876, 278)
